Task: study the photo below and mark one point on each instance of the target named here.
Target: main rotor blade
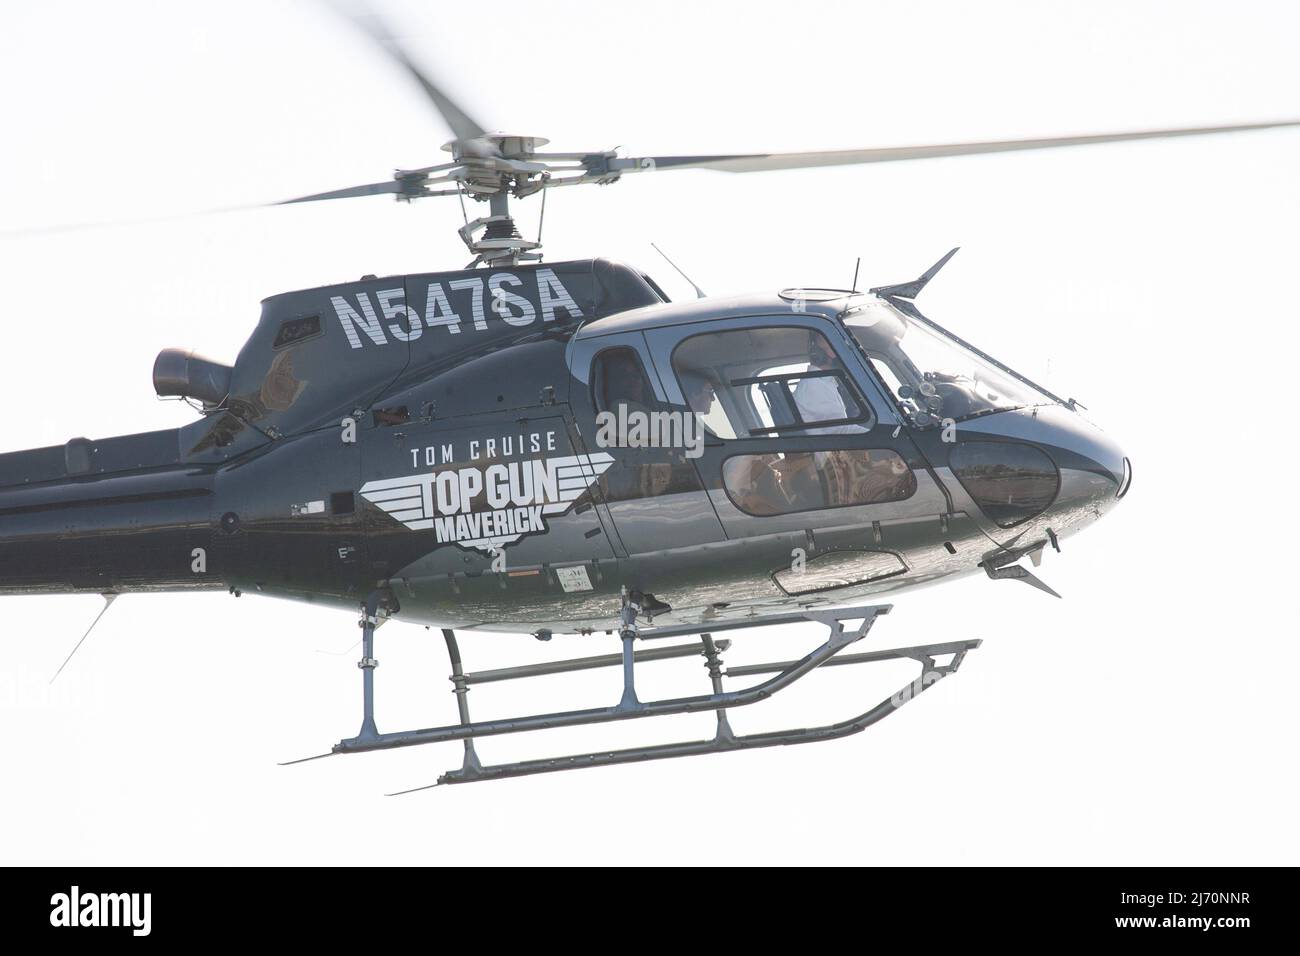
(369, 189)
(68, 227)
(757, 162)
(412, 187)
(363, 16)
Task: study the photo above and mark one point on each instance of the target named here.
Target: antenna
(858, 266)
(699, 293)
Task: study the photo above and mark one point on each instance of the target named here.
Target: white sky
(1147, 718)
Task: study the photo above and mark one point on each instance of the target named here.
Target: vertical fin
(910, 290)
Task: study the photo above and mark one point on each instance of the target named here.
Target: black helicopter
(549, 448)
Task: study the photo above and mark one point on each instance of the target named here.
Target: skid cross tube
(369, 621)
(461, 684)
(629, 707)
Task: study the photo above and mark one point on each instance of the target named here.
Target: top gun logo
(404, 324)
(518, 496)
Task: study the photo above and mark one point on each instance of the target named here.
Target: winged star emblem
(550, 488)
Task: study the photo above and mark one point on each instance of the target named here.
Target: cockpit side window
(769, 382)
(618, 379)
(634, 422)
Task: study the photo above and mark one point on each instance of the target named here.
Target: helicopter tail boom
(120, 514)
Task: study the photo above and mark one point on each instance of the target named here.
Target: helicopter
(542, 447)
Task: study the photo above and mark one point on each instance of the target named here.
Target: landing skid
(630, 707)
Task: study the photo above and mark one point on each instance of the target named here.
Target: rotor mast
(487, 170)
(500, 244)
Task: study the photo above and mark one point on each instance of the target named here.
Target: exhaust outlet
(181, 374)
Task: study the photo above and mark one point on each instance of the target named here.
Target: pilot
(625, 392)
(821, 399)
(700, 393)
(625, 384)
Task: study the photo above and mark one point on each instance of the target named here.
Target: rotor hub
(495, 144)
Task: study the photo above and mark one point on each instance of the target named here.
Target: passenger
(701, 393)
(820, 399)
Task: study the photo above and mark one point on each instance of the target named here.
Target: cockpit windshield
(932, 376)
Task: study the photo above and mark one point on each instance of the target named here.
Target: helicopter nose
(1090, 450)
(1047, 468)
(1125, 478)
(1095, 473)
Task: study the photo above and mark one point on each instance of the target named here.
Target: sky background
(1147, 718)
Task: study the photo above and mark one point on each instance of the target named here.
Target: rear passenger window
(776, 483)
